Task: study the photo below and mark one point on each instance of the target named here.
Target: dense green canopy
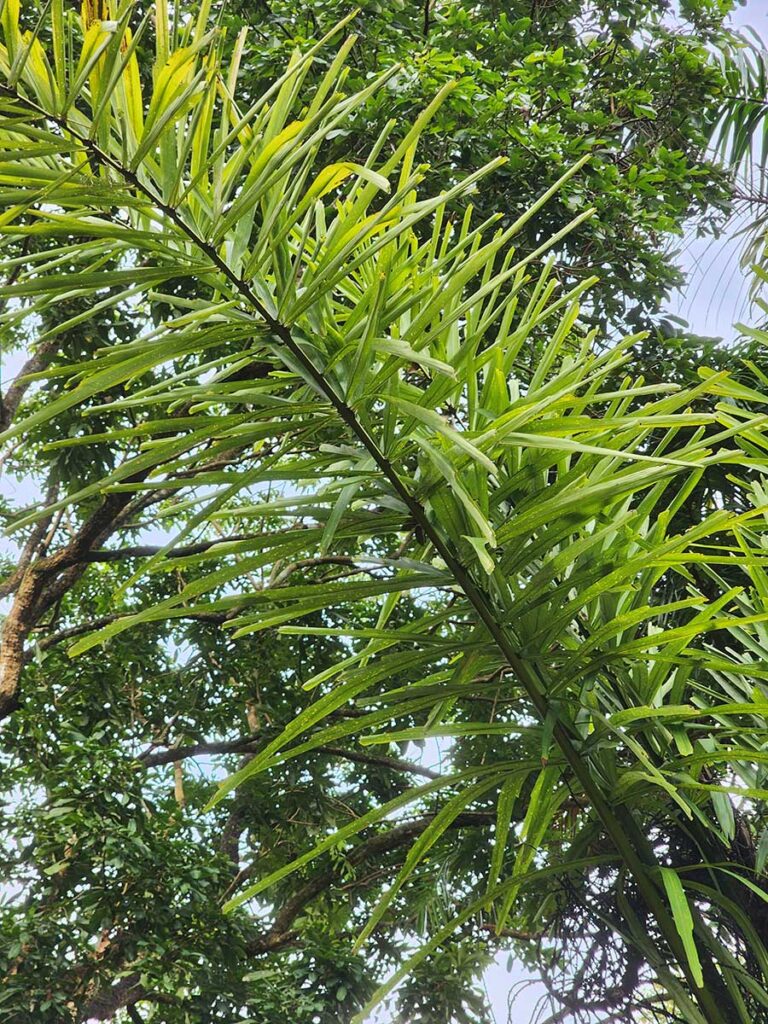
(543, 84)
(375, 608)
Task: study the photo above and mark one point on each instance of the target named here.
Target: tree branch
(148, 550)
(394, 764)
(35, 541)
(174, 754)
(152, 759)
(21, 382)
(281, 932)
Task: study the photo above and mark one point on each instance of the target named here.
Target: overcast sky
(716, 294)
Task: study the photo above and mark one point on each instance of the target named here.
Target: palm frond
(414, 402)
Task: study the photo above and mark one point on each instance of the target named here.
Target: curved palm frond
(740, 140)
(416, 405)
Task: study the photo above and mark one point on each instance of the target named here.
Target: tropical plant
(740, 140)
(365, 422)
(543, 84)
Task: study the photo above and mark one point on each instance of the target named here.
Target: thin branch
(394, 764)
(152, 759)
(37, 540)
(21, 382)
(216, 618)
(515, 933)
(307, 563)
(281, 933)
(148, 550)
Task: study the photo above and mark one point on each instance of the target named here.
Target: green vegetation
(342, 456)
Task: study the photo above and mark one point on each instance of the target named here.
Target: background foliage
(522, 529)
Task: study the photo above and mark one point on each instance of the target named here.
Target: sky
(715, 296)
(716, 293)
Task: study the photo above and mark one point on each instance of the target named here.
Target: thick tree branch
(41, 584)
(172, 755)
(105, 1003)
(123, 994)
